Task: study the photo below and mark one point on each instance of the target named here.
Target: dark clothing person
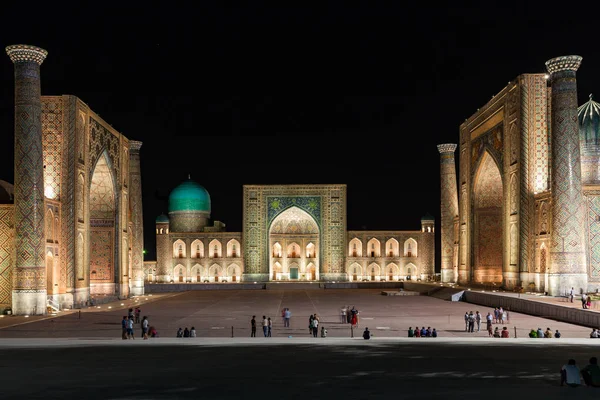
(434, 333)
(591, 373)
(180, 332)
(186, 332)
(411, 333)
(366, 334)
(253, 326)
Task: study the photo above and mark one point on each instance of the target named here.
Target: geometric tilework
(101, 255)
(567, 233)
(52, 128)
(6, 248)
(593, 221)
(449, 203)
(135, 200)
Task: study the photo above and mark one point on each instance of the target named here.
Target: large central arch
(103, 269)
(294, 246)
(488, 223)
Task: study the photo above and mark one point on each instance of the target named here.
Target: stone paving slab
(216, 314)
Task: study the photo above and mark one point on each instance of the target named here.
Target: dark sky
(263, 94)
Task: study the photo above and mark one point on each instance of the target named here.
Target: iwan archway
(103, 270)
(488, 233)
(294, 244)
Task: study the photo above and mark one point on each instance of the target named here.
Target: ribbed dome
(589, 122)
(189, 196)
(162, 218)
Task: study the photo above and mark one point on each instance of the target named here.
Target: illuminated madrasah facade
(71, 225)
(290, 233)
(529, 188)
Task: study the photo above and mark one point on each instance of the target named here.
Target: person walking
(137, 314)
(286, 317)
(145, 325)
(270, 327)
(265, 325)
(478, 320)
(253, 326)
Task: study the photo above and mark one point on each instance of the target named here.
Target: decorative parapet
(135, 146)
(564, 63)
(446, 148)
(26, 53)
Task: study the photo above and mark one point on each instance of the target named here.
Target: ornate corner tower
(567, 241)
(29, 274)
(449, 211)
(164, 252)
(135, 197)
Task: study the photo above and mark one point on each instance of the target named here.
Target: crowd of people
(186, 332)
(548, 334)
(423, 332)
(132, 318)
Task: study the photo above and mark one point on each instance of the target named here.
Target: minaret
(135, 197)
(567, 244)
(29, 273)
(449, 211)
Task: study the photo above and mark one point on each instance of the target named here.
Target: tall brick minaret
(135, 197)
(449, 212)
(29, 273)
(567, 237)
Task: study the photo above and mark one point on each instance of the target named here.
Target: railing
(52, 303)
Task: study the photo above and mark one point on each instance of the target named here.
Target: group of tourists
(595, 334)
(349, 315)
(571, 375)
(586, 300)
(539, 333)
(186, 332)
(133, 317)
(423, 332)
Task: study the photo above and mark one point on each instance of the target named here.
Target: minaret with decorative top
(449, 211)
(567, 237)
(29, 272)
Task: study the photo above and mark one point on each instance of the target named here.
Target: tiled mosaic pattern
(6, 248)
(593, 225)
(29, 180)
(567, 243)
(449, 203)
(52, 128)
(135, 192)
(101, 255)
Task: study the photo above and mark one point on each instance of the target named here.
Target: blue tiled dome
(189, 196)
(162, 218)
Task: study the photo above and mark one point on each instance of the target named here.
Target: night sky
(259, 94)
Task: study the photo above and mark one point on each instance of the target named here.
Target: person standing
(265, 325)
(584, 301)
(343, 314)
(286, 317)
(478, 320)
(348, 315)
(270, 327)
(137, 313)
(130, 333)
(145, 325)
(466, 321)
(253, 326)
(124, 327)
(572, 294)
(315, 327)
(471, 322)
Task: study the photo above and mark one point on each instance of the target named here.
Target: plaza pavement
(216, 314)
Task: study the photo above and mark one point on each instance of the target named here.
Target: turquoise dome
(428, 217)
(589, 122)
(162, 218)
(189, 196)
